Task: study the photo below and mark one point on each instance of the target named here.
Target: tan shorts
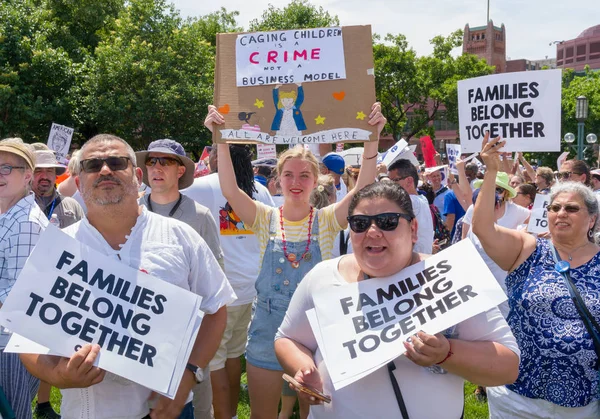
(233, 343)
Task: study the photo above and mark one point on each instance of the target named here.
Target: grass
(473, 408)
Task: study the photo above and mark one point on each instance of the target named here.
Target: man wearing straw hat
(21, 222)
(50, 201)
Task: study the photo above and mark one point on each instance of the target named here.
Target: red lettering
(285, 56)
(300, 54)
(271, 57)
(254, 54)
(314, 55)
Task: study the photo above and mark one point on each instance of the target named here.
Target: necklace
(570, 255)
(292, 258)
(172, 210)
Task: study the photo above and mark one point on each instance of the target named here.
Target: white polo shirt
(167, 249)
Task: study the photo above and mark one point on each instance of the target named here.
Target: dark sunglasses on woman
(114, 163)
(386, 221)
(571, 209)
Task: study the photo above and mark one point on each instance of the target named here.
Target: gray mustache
(107, 178)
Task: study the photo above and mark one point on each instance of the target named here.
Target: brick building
(488, 42)
(581, 51)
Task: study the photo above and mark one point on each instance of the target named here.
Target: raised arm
(462, 190)
(527, 166)
(368, 169)
(504, 246)
(242, 204)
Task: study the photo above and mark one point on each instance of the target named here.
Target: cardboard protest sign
(59, 140)
(69, 294)
(538, 221)
(308, 86)
(524, 108)
(453, 152)
(363, 324)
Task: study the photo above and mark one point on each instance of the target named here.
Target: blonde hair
(286, 95)
(298, 152)
(322, 194)
(73, 166)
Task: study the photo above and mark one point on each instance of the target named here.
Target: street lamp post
(581, 114)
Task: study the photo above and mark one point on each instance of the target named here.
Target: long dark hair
(386, 190)
(241, 157)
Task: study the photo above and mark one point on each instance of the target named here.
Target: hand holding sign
(490, 152)
(79, 370)
(377, 118)
(213, 117)
(427, 350)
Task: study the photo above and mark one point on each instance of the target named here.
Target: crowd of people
(259, 241)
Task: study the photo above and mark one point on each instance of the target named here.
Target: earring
(590, 233)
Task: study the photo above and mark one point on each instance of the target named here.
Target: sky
(531, 25)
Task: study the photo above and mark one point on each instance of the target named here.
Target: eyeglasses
(387, 221)
(163, 161)
(571, 209)
(114, 163)
(566, 175)
(6, 169)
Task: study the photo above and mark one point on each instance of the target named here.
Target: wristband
(370, 158)
(450, 353)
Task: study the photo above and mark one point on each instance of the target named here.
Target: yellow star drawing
(259, 103)
(320, 120)
(360, 115)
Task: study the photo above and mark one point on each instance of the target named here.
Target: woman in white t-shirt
(480, 349)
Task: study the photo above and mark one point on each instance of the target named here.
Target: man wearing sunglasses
(167, 249)
(167, 170)
(403, 173)
(574, 171)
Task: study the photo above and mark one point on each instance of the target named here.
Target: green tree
(221, 21)
(421, 86)
(152, 77)
(35, 74)
(298, 14)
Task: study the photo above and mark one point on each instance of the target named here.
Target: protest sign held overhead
(301, 86)
(538, 221)
(68, 295)
(59, 141)
(453, 152)
(523, 108)
(400, 150)
(362, 325)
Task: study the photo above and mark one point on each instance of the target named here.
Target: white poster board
(69, 294)
(59, 140)
(266, 151)
(524, 108)
(363, 325)
(538, 221)
(453, 152)
(292, 56)
(400, 150)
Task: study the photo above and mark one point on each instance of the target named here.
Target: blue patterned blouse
(557, 353)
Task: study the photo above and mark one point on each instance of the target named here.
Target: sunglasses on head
(163, 161)
(570, 208)
(387, 221)
(114, 163)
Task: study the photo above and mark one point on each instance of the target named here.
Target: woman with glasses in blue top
(480, 349)
(553, 289)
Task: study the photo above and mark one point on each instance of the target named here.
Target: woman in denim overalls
(285, 261)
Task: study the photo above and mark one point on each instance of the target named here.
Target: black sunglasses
(114, 163)
(566, 175)
(163, 161)
(571, 209)
(386, 221)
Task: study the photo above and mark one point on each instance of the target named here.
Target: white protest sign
(478, 163)
(59, 140)
(363, 324)
(398, 151)
(523, 108)
(453, 152)
(266, 151)
(293, 56)
(561, 159)
(69, 294)
(538, 221)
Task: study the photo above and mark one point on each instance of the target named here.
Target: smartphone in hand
(306, 389)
